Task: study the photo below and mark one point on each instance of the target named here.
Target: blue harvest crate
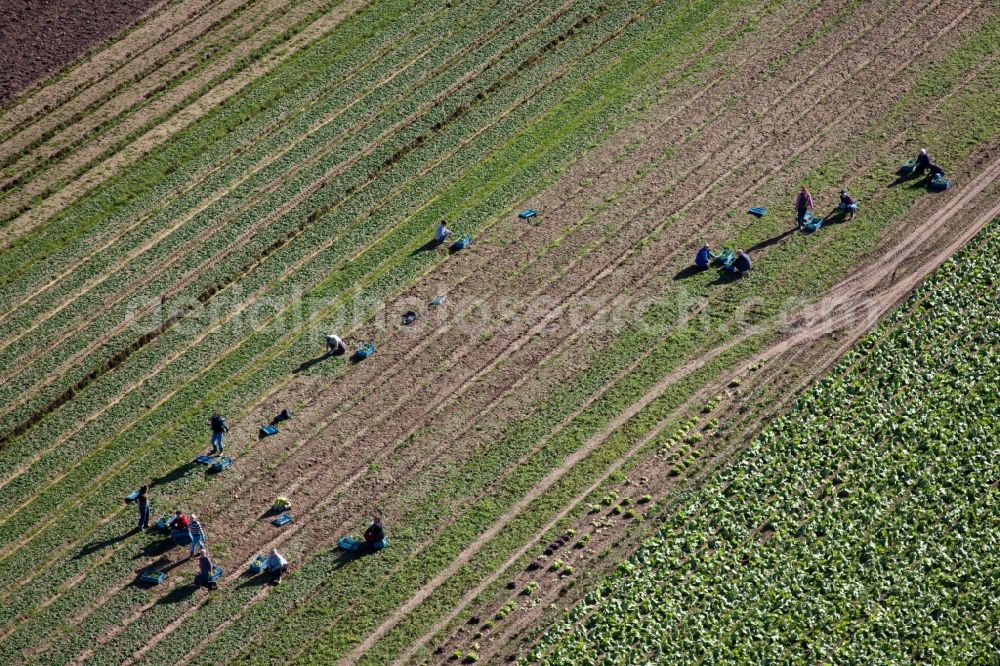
(259, 564)
(162, 523)
(283, 519)
(152, 577)
(462, 243)
(221, 464)
(757, 211)
(268, 430)
(204, 460)
(811, 222)
(526, 214)
(132, 496)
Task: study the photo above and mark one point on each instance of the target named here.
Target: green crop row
(856, 484)
(211, 247)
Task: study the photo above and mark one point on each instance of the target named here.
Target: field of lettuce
(190, 208)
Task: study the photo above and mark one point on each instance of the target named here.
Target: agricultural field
(588, 452)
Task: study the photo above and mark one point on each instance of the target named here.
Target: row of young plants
(887, 460)
(536, 159)
(49, 101)
(182, 207)
(111, 59)
(213, 138)
(74, 171)
(211, 248)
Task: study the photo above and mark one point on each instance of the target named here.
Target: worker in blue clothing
(218, 426)
(848, 204)
(704, 257)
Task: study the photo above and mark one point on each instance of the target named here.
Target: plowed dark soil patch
(39, 37)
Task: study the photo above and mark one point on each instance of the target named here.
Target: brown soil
(39, 37)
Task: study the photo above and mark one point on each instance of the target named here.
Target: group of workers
(804, 205)
(188, 530)
(739, 261)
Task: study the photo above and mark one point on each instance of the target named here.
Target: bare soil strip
(105, 168)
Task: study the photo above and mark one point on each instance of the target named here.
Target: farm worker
(197, 534)
(334, 345)
(442, 232)
(142, 501)
(803, 204)
(276, 565)
(218, 425)
(704, 257)
(180, 522)
(375, 534)
(936, 171)
(205, 567)
(848, 203)
(742, 263)
(923, 162)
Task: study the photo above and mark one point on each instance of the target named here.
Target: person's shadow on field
(95, 546)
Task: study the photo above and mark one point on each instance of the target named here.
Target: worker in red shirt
(180, 522)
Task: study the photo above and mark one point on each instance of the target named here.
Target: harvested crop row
(214, 140)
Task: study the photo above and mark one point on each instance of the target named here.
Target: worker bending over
(442, 232)
(704, 257)
(205, 567)
(375, 534)
(923, 162)
(335, 346)
(848, 204)
(742, 263)
(277, 565)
